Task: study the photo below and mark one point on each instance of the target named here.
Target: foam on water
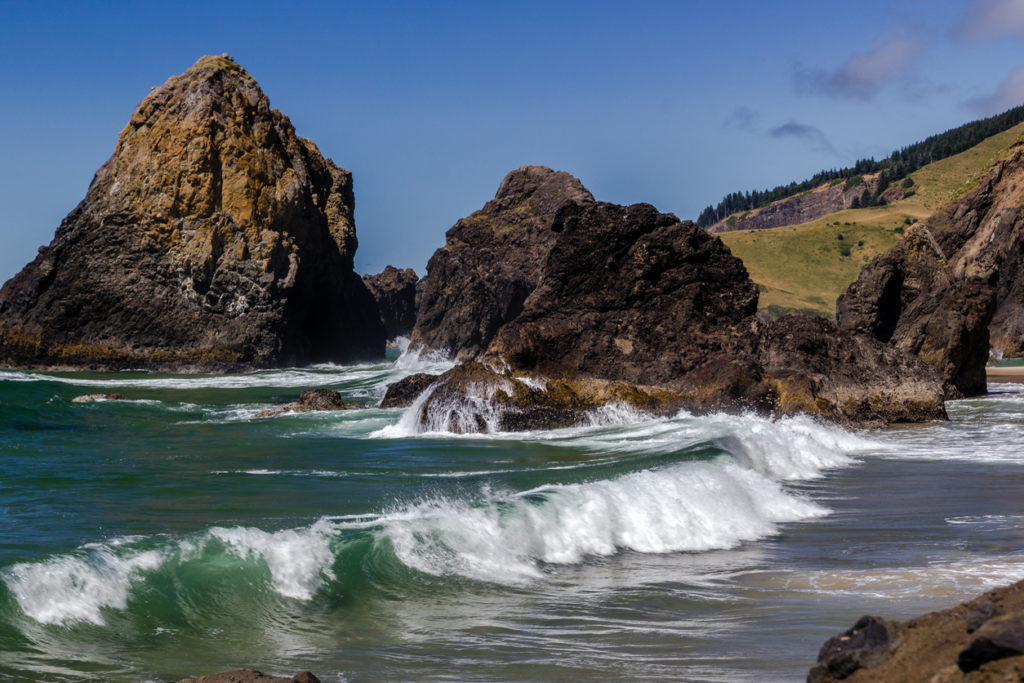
(506, 537)
(71, 588)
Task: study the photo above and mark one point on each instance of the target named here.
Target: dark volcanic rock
(395, 293)
(867, 644)
(813, 367)
(936, 647)
(491, 262)
(634, 306)
(403, 392)
(214, 238)
(997, 638)
(251, 676)
(954, 284)
(633, 295)
(310, 400)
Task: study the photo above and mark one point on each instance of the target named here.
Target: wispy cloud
(864, 73)
(742, 118)
(810, 135)
(1009, 93)
(990, 19)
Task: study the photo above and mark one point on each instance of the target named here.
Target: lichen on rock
(214, 238)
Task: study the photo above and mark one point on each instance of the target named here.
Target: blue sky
(430, 104)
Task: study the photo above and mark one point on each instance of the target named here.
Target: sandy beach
(1005, 374)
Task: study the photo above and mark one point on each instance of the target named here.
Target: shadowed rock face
(214, 238)
(631, 305)
(491, 261)
(953, 284)
(395, 293)
(630, 294)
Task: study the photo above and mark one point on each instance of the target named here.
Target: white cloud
(1009, 93)
(864, 73)
(991, 19)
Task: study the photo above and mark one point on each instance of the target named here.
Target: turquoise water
(174, 534)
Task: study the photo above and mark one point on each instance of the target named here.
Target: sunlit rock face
(214, 238)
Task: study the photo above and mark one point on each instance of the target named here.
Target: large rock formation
(395, 293)
(981, 641)
(214, 238)
(491, 261)
(806, 206)
(953, 284)
(631, 305)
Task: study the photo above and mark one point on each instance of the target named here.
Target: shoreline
(1011, 373)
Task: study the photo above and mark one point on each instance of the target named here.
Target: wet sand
(1005, 374)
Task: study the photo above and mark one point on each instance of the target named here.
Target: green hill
(806, 267)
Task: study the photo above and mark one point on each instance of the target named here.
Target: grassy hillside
(806, 267)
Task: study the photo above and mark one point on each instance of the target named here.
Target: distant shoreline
(1012, 373)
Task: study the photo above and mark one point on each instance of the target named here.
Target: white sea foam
(71, 588)
(299, 559)
(506, 538)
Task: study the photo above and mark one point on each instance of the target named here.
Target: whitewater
(175, 534)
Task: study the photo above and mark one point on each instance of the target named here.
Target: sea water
(175, 534)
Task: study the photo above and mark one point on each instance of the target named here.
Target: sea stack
(214, 239)
(570, 304)
(954, 284)
(395, 293)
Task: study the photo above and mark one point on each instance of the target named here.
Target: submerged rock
(394, 291)
(405, 391)
(251, 676)
(93, 398)
(980, 640)
(630, 298)
(312, 400)
(213, 239)
(954, 285)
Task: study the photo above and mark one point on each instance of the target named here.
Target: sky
(430, 104)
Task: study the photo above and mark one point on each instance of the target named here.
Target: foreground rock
(213, 239)
(954, 285)
(251, 676)
(980, 640)
(632, 306)
(394, 291)
(312, 400)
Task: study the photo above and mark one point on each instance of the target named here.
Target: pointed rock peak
(214, 84)
(542, 186)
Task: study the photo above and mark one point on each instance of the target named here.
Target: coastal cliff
(609, 303)
(954, 284)
(213, 239)
(806, 206)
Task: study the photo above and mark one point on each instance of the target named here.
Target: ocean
(174, 534)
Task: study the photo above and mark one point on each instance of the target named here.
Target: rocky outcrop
(213, 239)
(806, 206)
(491, 261)
(251, 676)
(309, 401)
(98, 398)
(954, 284)
(394, 291)
(977, 641)
(634, 306)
